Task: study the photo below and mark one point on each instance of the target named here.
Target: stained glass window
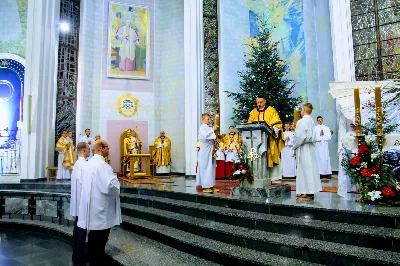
(211, 64)
(376, 38)
(67, 75)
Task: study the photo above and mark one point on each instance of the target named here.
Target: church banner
(128, 41)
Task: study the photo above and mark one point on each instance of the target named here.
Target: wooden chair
(50, 171)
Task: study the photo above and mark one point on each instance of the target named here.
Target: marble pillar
(194, 95)
(40, 88)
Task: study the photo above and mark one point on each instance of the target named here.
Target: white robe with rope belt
(206, 163)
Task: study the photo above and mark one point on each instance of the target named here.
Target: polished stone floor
(18, 248)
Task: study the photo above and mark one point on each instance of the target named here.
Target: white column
(342, 40)
(41, 86)
(193, 52)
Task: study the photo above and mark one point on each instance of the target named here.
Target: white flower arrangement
(374, 195)
(237, 172)
(370, 139)
(374, 156)
(376, 177)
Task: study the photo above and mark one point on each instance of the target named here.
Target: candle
(296, 117)
(358, 111)
(378, 104)
(216, 122)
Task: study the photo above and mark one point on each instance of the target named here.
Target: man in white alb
(323, 134)
(89, 140)
(307, 177)
(99, 206)
(288, 161)
(79, 234)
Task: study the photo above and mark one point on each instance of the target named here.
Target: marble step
(364, 215)
(309, 250)
(123, 247)
(357, 235)
(212, 250)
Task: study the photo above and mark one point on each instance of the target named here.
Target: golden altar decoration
(129, 144)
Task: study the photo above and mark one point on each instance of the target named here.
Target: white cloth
(221, 155)
(232, 153)
(87, 139)
(351, 133)
(307, 174)
(288, 161)
(62, 173)
(205, 176)
(322, 148)
(76, 187)
(99, 206)
(344, 181)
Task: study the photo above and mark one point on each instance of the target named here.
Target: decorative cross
(252, 154)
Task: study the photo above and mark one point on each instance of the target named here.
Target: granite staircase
(237, 232)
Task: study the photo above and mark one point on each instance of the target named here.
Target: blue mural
(11, 95)
(287, 17)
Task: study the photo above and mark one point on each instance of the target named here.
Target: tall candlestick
(378, 104)
(296, 117)
(358, 111)
(216, 122)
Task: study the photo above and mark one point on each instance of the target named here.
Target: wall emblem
(127, 105)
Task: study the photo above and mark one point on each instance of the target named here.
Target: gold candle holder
(357, 107)
(379, 118)
(296, 117)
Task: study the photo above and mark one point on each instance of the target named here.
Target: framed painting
(128, 41)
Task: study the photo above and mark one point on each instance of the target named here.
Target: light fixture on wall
(64, 26)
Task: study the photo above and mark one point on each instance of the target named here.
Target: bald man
(99, 206)
(162, 154)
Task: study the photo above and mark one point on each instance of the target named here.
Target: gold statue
(162, 154)
(131, 145)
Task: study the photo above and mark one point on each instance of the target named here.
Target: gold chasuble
(275, 145)
(162, 154)
(64, 145)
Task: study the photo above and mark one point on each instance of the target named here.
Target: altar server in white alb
(288, 161)
(79, 234)
(307, 174)
(206, 163)
(89, 140)
(99, 207)
(323, 134)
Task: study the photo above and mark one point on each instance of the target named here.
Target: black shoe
(81, 258)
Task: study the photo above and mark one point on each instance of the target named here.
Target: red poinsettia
(366, 172)
(376, 170)
(363, 148)
(356, 160)
(388, 192)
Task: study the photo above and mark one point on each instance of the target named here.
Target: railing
(10, 157)
(35, 205)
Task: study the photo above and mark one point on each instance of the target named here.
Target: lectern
(255, 137)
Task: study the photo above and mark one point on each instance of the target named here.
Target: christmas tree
(265, 74)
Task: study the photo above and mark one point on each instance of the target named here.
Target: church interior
(200, 132)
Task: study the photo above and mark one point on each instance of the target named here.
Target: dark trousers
(97, 241)
(78, 239)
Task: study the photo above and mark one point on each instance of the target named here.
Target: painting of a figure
(128, 41)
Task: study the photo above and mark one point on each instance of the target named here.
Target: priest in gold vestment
(66, 159)
(162, 154)
(275, 141)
